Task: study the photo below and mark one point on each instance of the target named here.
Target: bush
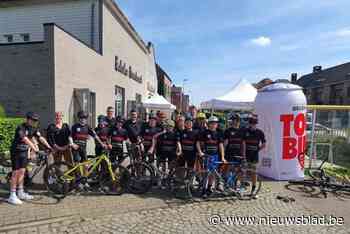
(2, 112)
(7, 131)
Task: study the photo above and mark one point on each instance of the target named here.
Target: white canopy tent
(240, 97)
(158, 103)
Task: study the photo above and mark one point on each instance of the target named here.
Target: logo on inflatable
(294, 145)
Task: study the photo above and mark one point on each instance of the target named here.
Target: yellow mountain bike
(96, 173)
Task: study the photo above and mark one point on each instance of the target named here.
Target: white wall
(74, 16)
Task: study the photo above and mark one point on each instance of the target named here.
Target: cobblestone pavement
(156, 214)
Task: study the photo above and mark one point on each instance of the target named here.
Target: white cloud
(261, 41)
(343, 32)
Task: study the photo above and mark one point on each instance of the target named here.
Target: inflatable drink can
(281, 108)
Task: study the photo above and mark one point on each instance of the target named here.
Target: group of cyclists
(181, 142)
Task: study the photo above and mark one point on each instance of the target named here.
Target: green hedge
(2, 112)
(7, 131)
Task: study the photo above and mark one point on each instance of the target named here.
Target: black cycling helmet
(235, 116)
(32, 116)
(119, 119)
(83, 115)
(188, 118)
(101, 119)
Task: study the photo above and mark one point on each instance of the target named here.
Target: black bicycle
(34, 167)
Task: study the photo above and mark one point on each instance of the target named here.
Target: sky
(214, 44)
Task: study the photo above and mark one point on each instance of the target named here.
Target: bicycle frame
(95, 162)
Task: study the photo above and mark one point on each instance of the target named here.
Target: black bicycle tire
(316, 174)
(147, 186)
(66, 187)
(183, 181)
(202, 175)
(121, 181)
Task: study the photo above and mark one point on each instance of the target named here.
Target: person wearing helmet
(201, 122)
(102, 131)
(169, 146)
(118, 136)
(21, 147)
(233, 139)
(80, 134)
(148, 133)
(58, 134)
(212, 141)
(188, 144)
(253, 142)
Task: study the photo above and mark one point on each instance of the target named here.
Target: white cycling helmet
(213, 119)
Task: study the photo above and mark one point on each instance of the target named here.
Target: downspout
(92, 36)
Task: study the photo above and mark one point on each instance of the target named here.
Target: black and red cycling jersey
(234, 137)
(118, 136)
(253, 138)
(147, 135)
(188, 141)
(81, 133)
(102, 132)
(167, 142)
(211, 141)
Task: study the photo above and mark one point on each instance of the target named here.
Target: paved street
(154, 213)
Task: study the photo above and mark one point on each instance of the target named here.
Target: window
(25, 36)
(9, 38)
(119, 101)
(348, 91)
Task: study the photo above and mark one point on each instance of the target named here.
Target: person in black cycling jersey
(20, 153)
(102, 130)
(133, 126)
(148, 133)
(233, 140)
(180, 124)
(253, 142)
(80, 134)
(118, 136)
(189, 139)
(169, 147)
(200, 123)
(212, 141)
(161, 120)
(110, 117)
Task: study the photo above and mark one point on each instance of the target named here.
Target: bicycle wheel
(53, 178)
(197, 183)
(316, 174)
(179, 178)
(118, 186)
(244, 185)
(311, 187)
(141, 177)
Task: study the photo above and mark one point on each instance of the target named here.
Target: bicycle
(141, 172)
(320, 183)
(111, 179)
(173, 178)
(33, 168)
(236, 183)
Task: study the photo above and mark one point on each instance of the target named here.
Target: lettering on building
(121, 67)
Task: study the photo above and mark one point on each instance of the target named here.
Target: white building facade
(73, 55)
